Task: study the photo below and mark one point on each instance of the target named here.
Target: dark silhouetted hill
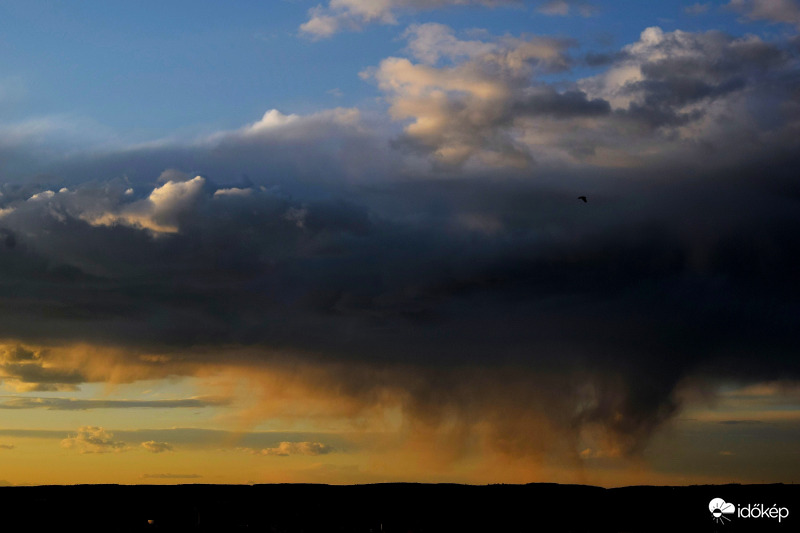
(405, 507)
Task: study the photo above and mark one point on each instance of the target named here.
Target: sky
(342, 242)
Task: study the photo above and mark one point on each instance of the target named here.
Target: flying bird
(583, 198)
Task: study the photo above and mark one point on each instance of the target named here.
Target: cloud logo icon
(719, 507)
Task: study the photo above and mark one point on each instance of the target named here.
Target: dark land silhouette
(405, 507)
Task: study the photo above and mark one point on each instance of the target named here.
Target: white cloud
(233, 191)
(278, 126)
(464, 110)
(483, 102)
(44, 195)
(160, 212)
(321, 24)
(271, 119)
(429, 42)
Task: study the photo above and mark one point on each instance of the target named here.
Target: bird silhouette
(583, 198)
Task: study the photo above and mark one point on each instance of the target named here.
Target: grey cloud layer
(72, 404)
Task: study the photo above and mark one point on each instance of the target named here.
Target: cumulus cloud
(694, 95)
(153, 446)
(160, 212)
(93, 439)
(681, 68)
(275, 123)
(466, 109)
(665, 95)
(431, 41)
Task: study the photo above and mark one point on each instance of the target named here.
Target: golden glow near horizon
(252, 424)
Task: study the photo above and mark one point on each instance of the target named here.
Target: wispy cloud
(352, 15)
(73, 404)
(786, 11)
(568, 7)
(697, 8)
(349, 15)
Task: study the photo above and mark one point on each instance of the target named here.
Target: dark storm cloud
(494, 298)
(633, 291)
